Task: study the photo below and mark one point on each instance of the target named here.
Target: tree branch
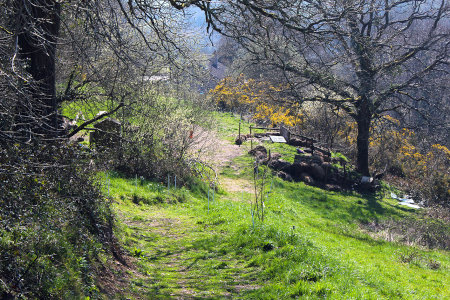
(82, 126)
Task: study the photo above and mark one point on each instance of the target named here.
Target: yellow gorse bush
(276, 115)
(258, 97)
(399, 145)
(443, 149)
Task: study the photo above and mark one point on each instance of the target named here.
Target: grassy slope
(183, 249)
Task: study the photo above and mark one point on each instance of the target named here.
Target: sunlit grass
(310, 245)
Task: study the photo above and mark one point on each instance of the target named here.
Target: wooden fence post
(284, 132)
(239, 137)
(251, 138)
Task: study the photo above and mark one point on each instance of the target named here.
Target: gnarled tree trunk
(362, 141)
(37, 34)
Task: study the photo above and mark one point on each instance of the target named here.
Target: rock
(295, 142)
(258, 149)
(296, 169)
(306, 178)
(299, 143)
(317, 159)
(366, 179)
(278, 164)
(329, 169)
(299, 158)
(333, 187)
(259, 152)
(326, 158)
(369, 185)
(107, 133)
(327, 165)
(260, 156)
(275, 156)
(308, 159)
(242, 138)
(284, 176)
(317, 172)
(332, 173)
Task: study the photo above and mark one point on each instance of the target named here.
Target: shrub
(158, 138)
(427, 232)
(260, 98)
(54, 221)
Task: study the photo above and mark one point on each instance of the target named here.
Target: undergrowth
(54, 223)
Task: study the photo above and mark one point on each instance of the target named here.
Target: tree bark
(39, 23)
(362, 141)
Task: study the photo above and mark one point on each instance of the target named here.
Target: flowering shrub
(264, 100)
(276, 115)
(396, 150)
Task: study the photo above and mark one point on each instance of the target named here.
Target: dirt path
(208, 147)
(176, 257)
(219, 153)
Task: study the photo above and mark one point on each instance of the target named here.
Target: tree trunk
(362, 142)
(39, 23)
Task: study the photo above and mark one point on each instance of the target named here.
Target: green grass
(310, 245)
(228, 125)
(183, 248)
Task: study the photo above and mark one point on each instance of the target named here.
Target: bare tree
(364, 57)
(109, 44)
(52, 52)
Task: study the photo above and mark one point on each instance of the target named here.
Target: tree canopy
(56, 51)
(363, 57)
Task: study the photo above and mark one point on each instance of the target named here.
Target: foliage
(374, 65)
(159, 135)
(54, 222)
(432, 233)
(264, 100)
(339, 156)
(426, 167)
(310, 244)
(324, 122)
(397, 150)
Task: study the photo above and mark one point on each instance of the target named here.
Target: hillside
(192, 242)
(126, 173)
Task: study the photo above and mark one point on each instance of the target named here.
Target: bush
(159, 135)
(54, 222)
(426, 232)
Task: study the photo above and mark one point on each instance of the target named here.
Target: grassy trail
(310, 246)
(179, 258)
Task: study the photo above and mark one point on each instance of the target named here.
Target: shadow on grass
(373, 203)
(342, 207)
